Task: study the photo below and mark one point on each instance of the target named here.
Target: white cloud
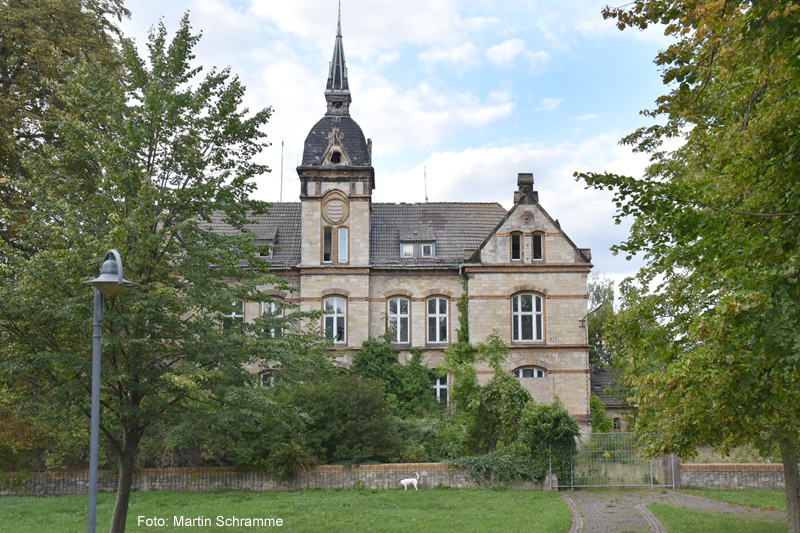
(506, 52)
(590, 116)
(463, 54)
(537, 61)
(547, 105)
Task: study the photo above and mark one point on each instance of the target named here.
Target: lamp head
(110, 281)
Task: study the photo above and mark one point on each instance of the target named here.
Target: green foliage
(346, 419)
(36, 39)
(407, 387)
(549, 433)
(600, 424)
(440, 437)
(500, 407)
(499, 467)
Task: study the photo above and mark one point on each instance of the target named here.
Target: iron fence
(611, 460)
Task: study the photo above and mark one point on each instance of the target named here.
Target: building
(372, 266)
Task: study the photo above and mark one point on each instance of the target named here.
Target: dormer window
(336, 157)
(410, 250)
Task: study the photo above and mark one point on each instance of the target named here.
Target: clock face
(335, 211)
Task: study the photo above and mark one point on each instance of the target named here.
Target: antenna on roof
(425, 177)
(280, 198)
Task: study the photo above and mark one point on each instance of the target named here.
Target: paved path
(607, 510)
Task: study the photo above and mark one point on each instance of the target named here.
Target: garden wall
(386, 476)
(732, 476)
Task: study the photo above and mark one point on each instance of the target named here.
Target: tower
(336, 178)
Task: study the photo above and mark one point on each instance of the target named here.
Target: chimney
(525, 188)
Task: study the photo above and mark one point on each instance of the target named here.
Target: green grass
(686, 521)
(438, 510)
(764, 499)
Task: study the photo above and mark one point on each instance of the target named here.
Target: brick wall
(386, 476)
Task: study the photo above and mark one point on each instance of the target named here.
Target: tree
(709, 330)
(35, 38)
(601, 292)
(407, 387)
(164, 153)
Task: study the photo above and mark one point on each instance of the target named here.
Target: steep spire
(337, 91)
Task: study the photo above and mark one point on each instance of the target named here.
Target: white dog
(410, 481)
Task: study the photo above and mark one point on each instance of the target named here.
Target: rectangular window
(440, 389)
(343, 245)
(427, 250)
(437, 320)
(407, 250)
(235, 316)
(399, 320)
(516, 246)
(327, 245)
(335, 319)
(272, 313)
(537, 245)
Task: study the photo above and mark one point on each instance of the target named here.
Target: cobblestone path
(626, 510)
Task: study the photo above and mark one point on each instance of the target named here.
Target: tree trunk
(791, 477)
(127, 461)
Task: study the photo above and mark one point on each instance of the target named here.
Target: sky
(458, 96)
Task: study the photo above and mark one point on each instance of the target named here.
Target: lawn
(439, 510)
(765, 499)
(685, 521)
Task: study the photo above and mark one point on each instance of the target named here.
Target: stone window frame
(335, 318)
(517, 318)
(394, 336)
(436, 316)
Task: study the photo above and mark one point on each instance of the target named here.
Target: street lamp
(109, 282)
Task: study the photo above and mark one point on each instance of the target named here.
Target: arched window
(437, 319)
(336, 319)
(526, 317)
(399, 315)
(529, 372)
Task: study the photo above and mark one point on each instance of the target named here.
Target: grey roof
(281, 226)
(337, 79)
(355, 144)
(602, 380)
(456, 226)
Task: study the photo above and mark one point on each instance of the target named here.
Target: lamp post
(109, 282)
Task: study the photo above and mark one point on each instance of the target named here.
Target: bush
(550, 434)
(346, 419)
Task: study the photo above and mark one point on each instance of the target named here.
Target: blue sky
(469, 93)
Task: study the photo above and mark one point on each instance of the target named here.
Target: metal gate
(611, 460)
